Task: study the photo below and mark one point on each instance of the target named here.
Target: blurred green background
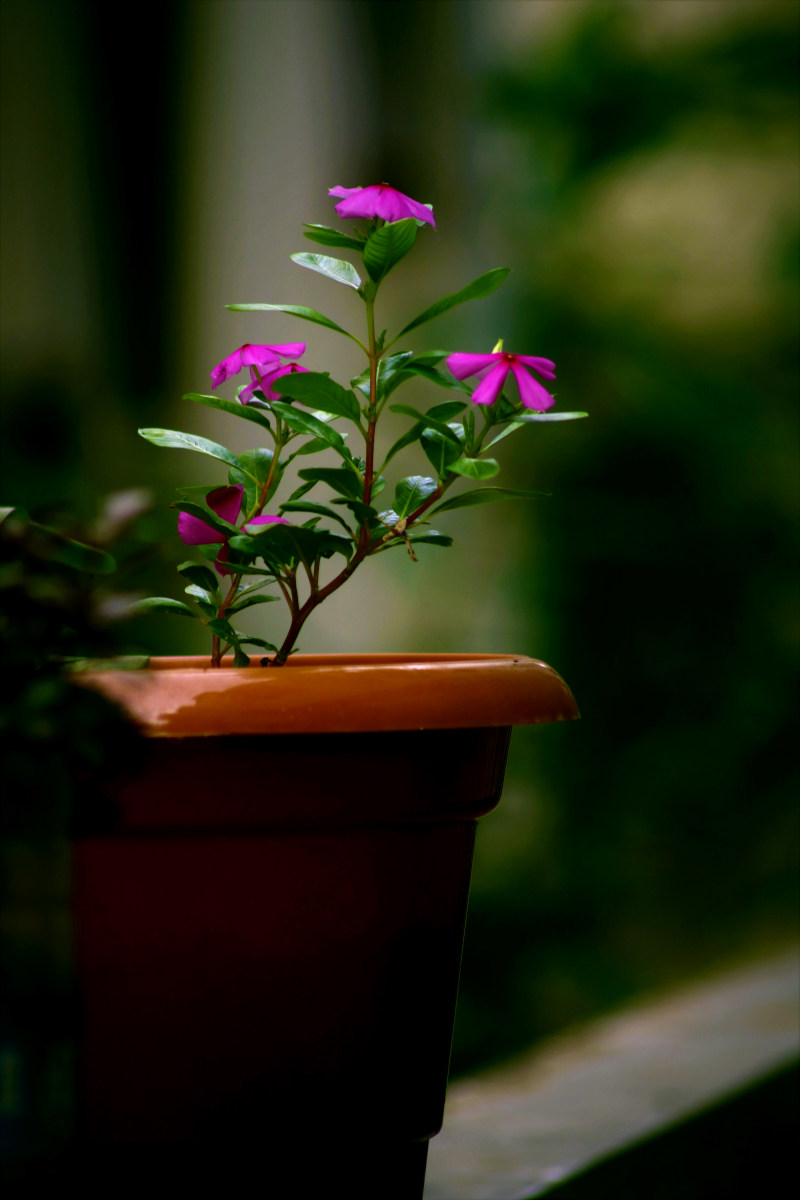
(636, 164)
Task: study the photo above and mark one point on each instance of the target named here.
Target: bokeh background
(636, 163)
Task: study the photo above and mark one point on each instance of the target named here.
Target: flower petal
(257, 373)
(490, 388)
(226, 501)
(380, 200)
(269, 378)
(283, 350)
(264, 520)
(464, 365)
(545, 366)
(531, 392)
(221, 559)
(253, 355)
(194, 532)
(229, 366)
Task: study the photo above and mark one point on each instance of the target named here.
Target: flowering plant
(295, 410)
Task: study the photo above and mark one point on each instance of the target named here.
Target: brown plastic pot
(269, 913)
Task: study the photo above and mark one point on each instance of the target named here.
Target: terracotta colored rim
(338, 693)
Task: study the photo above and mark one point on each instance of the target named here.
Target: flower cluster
(296, 411)
(266, 366)
(226, 502)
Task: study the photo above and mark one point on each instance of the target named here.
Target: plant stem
(301, 614)
(372, 412)
(216, 656)
(258, 508)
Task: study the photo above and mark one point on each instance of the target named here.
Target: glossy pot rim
(182, 696)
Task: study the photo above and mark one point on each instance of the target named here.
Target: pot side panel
(233, 986)
(302, 781)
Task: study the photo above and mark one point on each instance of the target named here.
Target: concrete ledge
(515, 1132)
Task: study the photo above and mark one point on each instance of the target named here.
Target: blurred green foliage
(655, 219)
(57, 740)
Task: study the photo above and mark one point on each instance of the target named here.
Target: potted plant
(269, 911)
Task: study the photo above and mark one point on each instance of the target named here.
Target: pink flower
(226, 502)
(259, 356)
(268, 374)
(493, 370)
(382, 201)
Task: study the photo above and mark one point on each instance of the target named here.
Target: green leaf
(313, 447)
(443, 412)
(558, 416)
(249, 601)
(334, 268)
(248, 589)
(429, 358)
(440, 451)
(55, 547)
(124, 662)
(318, 389)
(484, 285)
(70, 553)
(164, 604)
(484, 496)
(510, 427)
(389, 374)
(407, 439)
(175, 440)
(204, 513)
(288, 543)
(318, 543)
(295, 310)
(247, 640)
(427, 419)
(321, 510)
(248, 568)
(222, 629)
(14, 509)
(365, 514)
(303, 489)
(199, 575)
(196, 491)
(304, 422)
(441, 378)
(203, 599)
(248, 412)
(431, 536)
(411, 492)
(345, 482)
(387, 245)
(323, 235)
(253, 474)
(476, 468)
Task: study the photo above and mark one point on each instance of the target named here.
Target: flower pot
(269, 911)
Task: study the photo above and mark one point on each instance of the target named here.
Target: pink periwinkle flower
(226, 502)
(382, 201)
(264, 377)
(263, 357)
(493, 371)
